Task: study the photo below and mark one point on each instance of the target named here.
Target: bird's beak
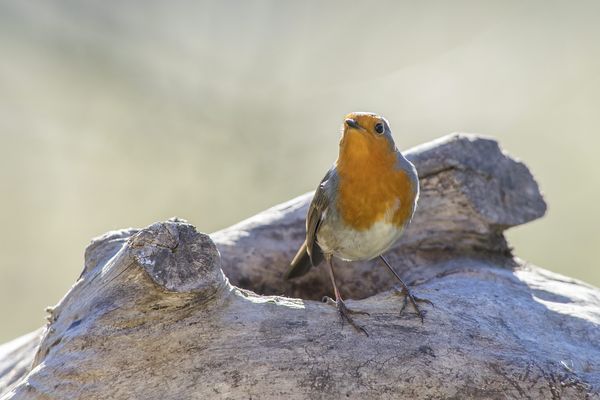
(352, 123)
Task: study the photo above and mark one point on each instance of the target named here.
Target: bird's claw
(345, 313)
(407, 295)
(328, 300)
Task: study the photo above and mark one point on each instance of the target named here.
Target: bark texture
(155, 313)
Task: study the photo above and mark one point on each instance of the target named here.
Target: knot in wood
(177, 257)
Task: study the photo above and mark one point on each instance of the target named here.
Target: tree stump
(166, 312)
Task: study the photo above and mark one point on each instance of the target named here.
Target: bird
(361, 207)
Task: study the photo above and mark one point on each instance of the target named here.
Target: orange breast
(369, 184)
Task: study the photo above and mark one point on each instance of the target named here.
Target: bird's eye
(379, 128)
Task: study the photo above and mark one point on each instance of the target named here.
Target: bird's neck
(363, 156)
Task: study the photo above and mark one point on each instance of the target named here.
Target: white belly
(352, 245)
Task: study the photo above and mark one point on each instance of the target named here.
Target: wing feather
(310, 253)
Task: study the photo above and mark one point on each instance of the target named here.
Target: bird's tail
(302, 262)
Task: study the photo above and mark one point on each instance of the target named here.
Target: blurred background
(118, 114)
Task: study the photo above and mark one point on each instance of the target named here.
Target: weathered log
(153, 316)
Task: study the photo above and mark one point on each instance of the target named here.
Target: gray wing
(310, 253)
(318, 206)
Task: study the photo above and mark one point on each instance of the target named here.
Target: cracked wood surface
(155, 313)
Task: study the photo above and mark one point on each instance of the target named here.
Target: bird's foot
(408, 296)
(345, 313)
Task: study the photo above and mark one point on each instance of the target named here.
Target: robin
(362, 205)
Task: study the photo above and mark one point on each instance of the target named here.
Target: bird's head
(365, 133)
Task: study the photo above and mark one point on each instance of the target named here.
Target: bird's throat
(370, 183)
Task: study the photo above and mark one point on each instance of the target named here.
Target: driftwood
(154, 314)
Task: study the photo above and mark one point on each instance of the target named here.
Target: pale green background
(122, 113)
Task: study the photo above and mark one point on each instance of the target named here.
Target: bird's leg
(406, 292)
(344, 311)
